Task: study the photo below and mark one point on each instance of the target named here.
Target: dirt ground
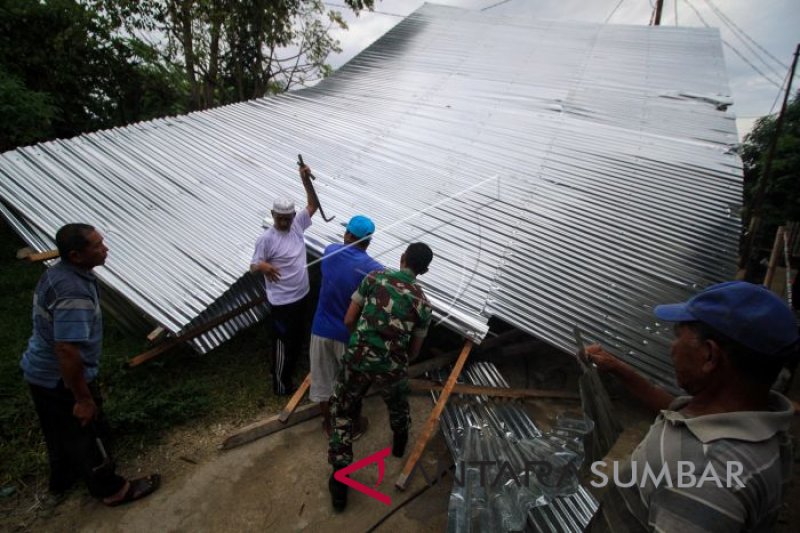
(279, 483)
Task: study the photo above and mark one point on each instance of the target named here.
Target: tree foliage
(781, 201)
(64, 70)
(74, 66)
(234, 50)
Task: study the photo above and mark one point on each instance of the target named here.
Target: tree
(65, 69)
(234, 50)
(27, 114)
(781, 202)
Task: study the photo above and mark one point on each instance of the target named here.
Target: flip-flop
(138, 489)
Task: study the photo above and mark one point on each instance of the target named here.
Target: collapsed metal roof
(564, 174)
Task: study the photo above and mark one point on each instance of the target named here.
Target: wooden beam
(296, 398)
(502, 392)
(510, 339)
(777, 248)
(156, 334)
(273, 424)
(28, 255)
(262, 428)
(192, 333)
(433, 419)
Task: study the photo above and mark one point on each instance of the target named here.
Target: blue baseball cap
(745, 313)
(360, 226)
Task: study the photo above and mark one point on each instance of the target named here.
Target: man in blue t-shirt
(60, 366)
(343, 268)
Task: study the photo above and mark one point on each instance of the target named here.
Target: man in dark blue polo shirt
(343, 267)
(61, 365)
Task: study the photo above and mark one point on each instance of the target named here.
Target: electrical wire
(495, 5)
(722, 15)
(743, 58)
(743, 37)
(734, 49)
(780, 92)
(613, 11)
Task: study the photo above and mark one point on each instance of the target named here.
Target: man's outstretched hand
(305, 173)
(604, 361)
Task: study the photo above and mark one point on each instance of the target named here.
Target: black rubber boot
(399, 443)
(338, 494)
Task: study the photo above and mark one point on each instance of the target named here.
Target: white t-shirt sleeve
(262, 251)
(303, 220)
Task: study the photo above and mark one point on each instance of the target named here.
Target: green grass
(231, 383)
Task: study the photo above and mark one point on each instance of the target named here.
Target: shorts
(326, 358)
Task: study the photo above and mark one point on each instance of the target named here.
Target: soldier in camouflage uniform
(391, 316)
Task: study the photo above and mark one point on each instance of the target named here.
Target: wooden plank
(156, 334)
(296, 398)
(509, 338)
(28, 255)
(262, 428)
(503, 392)
(168, 345)
(777, 248)
(433, 419)
(273, 424)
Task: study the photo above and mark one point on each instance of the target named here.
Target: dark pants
(72, 450)
(345, 404)
(289, 333)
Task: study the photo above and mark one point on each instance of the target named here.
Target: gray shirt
(740, 461)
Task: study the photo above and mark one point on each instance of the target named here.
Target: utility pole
(761, 185)
(659, 8)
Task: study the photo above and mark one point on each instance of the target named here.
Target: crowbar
(107, 463)
(313, 192)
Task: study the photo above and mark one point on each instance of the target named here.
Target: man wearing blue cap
(343, 267)
(730, 433)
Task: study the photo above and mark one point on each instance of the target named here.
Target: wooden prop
(31, 257)
(273, 424)
(295, 400)
(433, 419)
(168, 345)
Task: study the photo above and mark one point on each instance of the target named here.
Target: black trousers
(289, 332)
(72, 450)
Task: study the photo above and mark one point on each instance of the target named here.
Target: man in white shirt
(280, 255)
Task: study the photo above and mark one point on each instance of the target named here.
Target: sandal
(138, 489)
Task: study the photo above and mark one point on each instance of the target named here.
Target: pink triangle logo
(377, 457)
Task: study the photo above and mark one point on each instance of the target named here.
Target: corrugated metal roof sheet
(564, 514)
(563, 174)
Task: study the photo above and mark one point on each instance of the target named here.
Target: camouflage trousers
(351, 387)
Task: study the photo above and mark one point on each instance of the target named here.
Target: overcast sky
(773, 25)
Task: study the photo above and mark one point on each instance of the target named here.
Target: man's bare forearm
(69, 360)
(311, 198)
(351, 317)
(653, 396)
(414, 347)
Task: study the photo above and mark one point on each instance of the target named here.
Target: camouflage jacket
(393, 309)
